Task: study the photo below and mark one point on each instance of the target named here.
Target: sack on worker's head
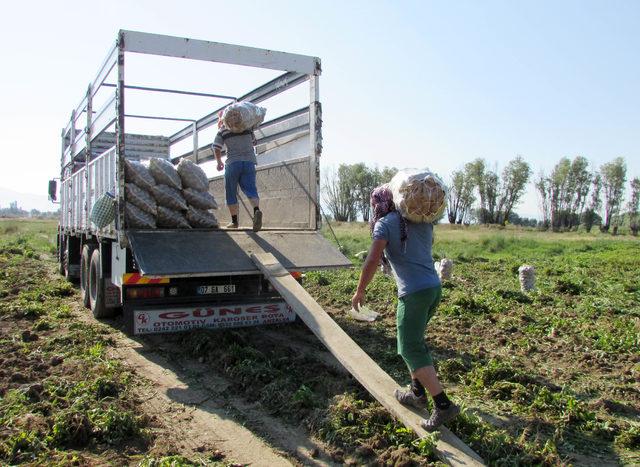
(141, 198)
(243, 116)
(419, 195)
(136, 218)
(192, 175)
(201, 219)
(169, 197)
(199, 199)
(103, 211)
(138, 173)
(165, 173)
(169, 218)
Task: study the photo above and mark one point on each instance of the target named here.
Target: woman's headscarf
(381, 205)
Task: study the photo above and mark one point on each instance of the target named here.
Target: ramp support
(379, 384)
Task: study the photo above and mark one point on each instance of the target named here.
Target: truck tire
(96, 287)
(85, 261)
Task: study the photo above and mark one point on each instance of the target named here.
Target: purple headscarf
(381, 205)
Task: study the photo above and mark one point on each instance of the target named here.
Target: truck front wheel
(96, 287)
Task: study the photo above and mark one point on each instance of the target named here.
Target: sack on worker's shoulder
(138, 173)
(169, 197)
(103, 211)
(136, 218)
(165, 173)
(141, 198)
(201, 219)
(169, 218)
(419, 195)
(192, 175)
(200, 199)
(243, 116)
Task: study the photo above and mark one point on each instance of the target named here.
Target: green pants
(414, 312)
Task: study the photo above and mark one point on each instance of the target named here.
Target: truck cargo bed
(190, 253)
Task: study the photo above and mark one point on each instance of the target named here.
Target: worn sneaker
(407, 397)
(440, 416)
(257, 220)
(232, 225)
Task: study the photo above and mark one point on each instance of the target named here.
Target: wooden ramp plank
(379, 384)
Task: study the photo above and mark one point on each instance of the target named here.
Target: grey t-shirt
(413, 266)
(239, 145)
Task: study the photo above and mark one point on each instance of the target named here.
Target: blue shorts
(241, 173)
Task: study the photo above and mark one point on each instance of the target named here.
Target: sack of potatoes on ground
(136, 218)
(139, 174)
(243, 116)
(199, 218)
(419, 195)
(192, 175)
(171, 219)
(199, 199)
(165, 173)
(169, 197)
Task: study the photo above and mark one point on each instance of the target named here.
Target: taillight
(144, 292)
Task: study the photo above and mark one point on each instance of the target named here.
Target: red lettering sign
(174, 315)
(200, 313)
(234, 311)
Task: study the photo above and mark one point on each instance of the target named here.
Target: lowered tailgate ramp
(193, 253)
(380, 385)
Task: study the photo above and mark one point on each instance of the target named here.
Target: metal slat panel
(198, 252)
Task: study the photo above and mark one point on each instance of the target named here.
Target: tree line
(571, 195)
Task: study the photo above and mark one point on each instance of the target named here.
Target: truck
(168, 280)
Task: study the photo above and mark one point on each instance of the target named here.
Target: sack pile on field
(243, 116)
(161, 195)
(419, 195)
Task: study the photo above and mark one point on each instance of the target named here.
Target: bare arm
(368, 271)
(218, 154)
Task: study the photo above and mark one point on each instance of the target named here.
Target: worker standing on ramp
(407, 247)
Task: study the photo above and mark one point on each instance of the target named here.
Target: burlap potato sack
(201, 219)
(199, 199)
(169, 218)
(138, 173)
(243, 116)
(169, 197)
(136, 218)
(141, 198)
(192, 175)
(165, 173)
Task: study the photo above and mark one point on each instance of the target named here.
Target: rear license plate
(215, 289)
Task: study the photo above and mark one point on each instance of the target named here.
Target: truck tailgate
(188, 253)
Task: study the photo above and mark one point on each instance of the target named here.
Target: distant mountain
(26, 201)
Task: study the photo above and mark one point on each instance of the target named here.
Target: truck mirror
(53, 190)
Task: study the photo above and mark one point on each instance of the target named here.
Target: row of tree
(13, 211)
(572, 194)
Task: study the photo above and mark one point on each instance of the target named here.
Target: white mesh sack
(141, 198)
(419, 195)
(243, 116)
(168, 218)
(138, 173)
(192, 175)
(199, 199)
(169, 197)
(165, 173)
(201, 219)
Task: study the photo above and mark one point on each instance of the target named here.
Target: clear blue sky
(404, 83)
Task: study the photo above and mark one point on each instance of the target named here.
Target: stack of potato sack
(163, 196)
(419, 195)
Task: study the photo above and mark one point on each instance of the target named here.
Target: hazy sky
(407, 84)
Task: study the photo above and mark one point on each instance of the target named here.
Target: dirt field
(549, 377)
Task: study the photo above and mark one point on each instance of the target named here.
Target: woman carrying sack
(407, 247)
(241, 170)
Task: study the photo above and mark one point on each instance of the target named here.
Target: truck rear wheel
(96, 287)
(85, 262)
